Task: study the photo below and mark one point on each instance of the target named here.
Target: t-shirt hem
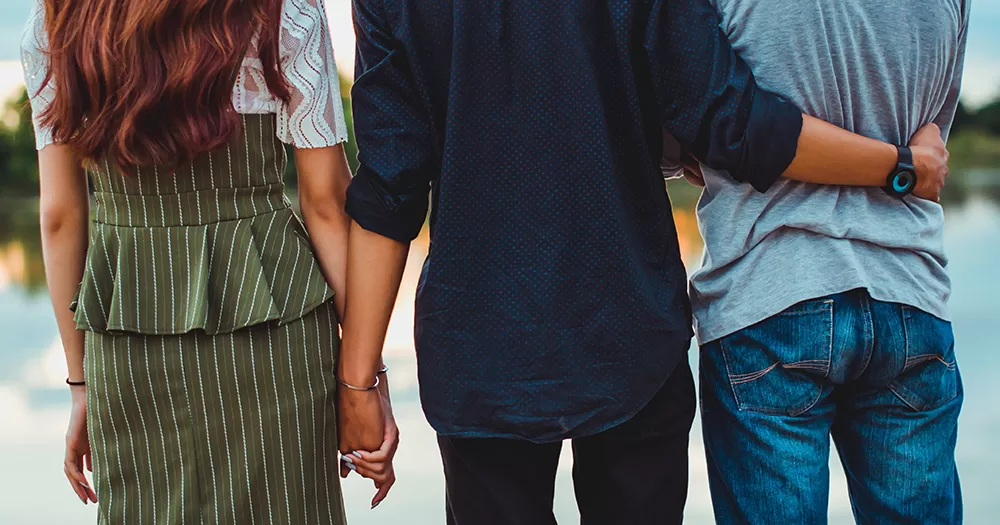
(715, 331)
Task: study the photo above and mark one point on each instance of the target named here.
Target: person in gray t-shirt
(822, 309)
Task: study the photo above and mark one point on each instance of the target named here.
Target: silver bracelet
(358, 388)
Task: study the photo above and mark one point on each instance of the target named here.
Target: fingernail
(347, 459)
(375, 505)
(352, 466)
(357, 454)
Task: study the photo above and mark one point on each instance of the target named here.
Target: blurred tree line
(985, 119)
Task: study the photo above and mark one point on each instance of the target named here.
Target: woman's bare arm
(65, 215)
(323, 180)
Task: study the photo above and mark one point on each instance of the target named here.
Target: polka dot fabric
(553, 300)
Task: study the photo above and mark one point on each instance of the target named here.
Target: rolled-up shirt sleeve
(397, 161)
(709, 99)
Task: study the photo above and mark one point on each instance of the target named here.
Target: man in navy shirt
(553, 301)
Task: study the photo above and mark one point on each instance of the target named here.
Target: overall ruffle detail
(213, 246)
(218, 278)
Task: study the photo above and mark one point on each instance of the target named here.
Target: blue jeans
(881, 378)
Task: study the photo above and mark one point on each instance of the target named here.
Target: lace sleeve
(35, 61)
(314, 115)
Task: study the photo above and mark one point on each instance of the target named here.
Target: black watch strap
(905, 158)
(903, 178)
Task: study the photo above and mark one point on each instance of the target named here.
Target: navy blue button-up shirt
(553, 300)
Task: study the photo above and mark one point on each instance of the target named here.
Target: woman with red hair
(200, 315)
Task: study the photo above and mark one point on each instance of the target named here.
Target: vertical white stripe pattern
(229, 264)
(246, 142)
(197, 196)
(113, 197)
(98, 340)
(128, 427)
(162, 429)
(201, 309)
(232, 182)
(211, 170)
(111, 415)
(260, 421)
(145, 432)
(260, 275)
(142, 196)
(100, 300)
(298, 424)
(135, 251)
(243, 421)
(281, 433)
(312, 412)
(177, 428)
(187, 399)
(295, 265)
(207, 434)
(331, 327)
(225, 427)
(156, 287)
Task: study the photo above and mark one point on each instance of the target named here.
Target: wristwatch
(903, 178)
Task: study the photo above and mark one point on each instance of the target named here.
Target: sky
(982, 67)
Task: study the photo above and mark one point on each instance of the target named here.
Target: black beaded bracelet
(75, 383)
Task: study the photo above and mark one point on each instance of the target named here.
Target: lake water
(34, 400)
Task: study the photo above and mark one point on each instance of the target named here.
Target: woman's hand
(377, 466)
(930, 158)
(360, 422)
(78, 447)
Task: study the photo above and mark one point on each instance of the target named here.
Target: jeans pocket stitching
(740, 379)
(905, 394)
(824, 365)
(917, 359)
(729, 373)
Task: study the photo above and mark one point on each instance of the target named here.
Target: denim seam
(869, 338)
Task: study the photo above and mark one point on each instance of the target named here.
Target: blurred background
(34, 401)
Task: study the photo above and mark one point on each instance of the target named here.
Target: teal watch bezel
(903, 178)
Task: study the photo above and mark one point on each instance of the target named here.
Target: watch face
(903, 182)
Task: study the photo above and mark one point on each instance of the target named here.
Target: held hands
(930, 158)
(78, 448)
(366, 423)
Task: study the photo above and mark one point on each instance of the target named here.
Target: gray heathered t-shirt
(881, 68)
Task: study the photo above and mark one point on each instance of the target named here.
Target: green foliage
(974, 148)
(18, 160)
(986, 118)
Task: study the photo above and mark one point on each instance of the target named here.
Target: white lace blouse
(313, 116)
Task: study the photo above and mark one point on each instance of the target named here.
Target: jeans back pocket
(779, 365)
(929, 377)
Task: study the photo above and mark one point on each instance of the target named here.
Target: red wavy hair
(141, 82)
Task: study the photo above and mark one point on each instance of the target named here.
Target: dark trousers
(635, 473)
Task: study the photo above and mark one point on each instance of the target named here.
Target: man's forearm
(374, 271)
(830, 155)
